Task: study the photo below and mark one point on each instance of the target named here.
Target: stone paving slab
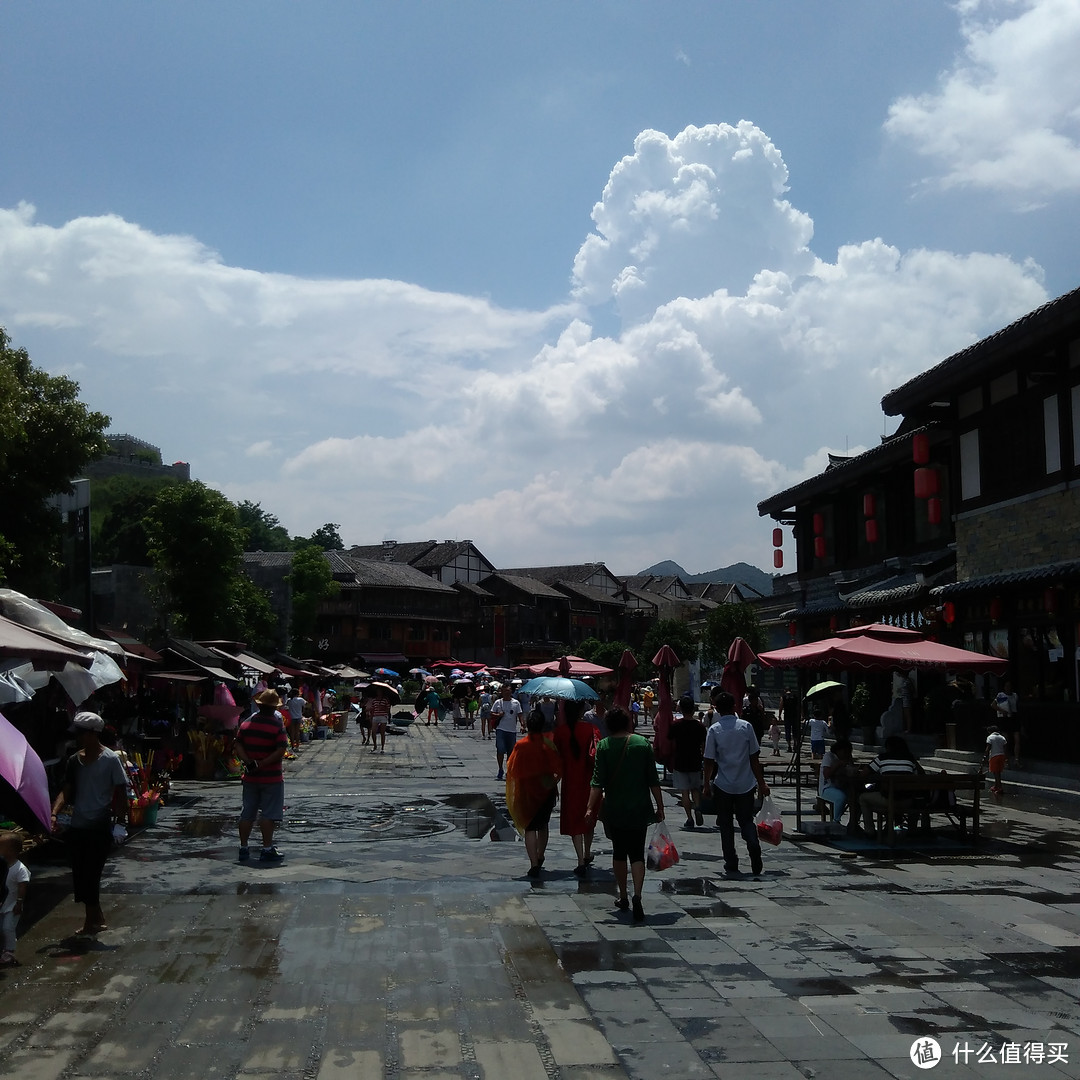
(393, 942)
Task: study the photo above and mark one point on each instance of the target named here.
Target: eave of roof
(1051, 318)
(894, 448)
(1067, 570)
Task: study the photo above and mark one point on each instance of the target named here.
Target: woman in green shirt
(626, 782)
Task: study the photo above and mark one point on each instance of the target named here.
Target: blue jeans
(838, 798)
(742, 808)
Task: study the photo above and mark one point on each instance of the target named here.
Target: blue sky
(345, 259)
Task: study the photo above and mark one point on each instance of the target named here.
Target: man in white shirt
(506, 715)
(732, 773)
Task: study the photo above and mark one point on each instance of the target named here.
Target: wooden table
(903, 790)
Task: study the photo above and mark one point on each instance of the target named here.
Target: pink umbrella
(665, 661)
(22, 769)
(569, 667)
(879, 647)
(627, 667)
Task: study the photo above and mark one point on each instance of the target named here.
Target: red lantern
(948, 612)
(833, 624)
(920, 448)
(778, 538)
(1050, 601)
(819, 547)
(792, 629)
(933, 511)
(819, 524)
(778, 558)
(995, 608)
(926, 483)
(869, 506)
(871, 531)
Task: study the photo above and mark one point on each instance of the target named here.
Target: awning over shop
(20, 642)
(388, 659)
(34, 616)
(176, 676)
(253, 663)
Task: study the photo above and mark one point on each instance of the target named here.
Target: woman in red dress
(575, 740)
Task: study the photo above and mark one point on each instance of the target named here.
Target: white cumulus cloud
(396, 411)
(1006, 116)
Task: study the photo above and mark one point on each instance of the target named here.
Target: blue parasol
(554, 686)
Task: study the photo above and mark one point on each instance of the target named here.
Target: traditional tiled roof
(473, 590)
(1067, 570)
(895, 447)
(392, 552)
(589, 592)
(578, 572)
(531, 586)
(269, 558)
(387, 575)
(1049, 319)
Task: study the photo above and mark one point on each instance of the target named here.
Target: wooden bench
(903, 799)
(777, 773)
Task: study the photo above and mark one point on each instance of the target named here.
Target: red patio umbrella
(879, 647)
(568, 667)
(740, 656)
(665, 662)
(627, 667)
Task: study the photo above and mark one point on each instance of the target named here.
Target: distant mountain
(741, 573)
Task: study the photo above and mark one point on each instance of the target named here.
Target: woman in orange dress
(575, 739)
(532, 776)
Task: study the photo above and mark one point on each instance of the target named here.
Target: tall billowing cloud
(1006, 117)
(688, 215)
(742, 358)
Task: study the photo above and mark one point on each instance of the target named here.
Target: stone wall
(1017, 535)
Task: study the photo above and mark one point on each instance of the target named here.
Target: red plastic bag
(770, 826)
(661, 853)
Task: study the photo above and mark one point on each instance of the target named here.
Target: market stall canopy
(131, 646)
(245, 660)
(465, 665)
(879, 647)
(569, 667)
(344, 671)
(34, 616)
(19, 642)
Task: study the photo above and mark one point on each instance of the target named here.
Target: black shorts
(628, 844)
(543, 815)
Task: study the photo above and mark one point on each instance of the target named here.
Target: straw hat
(268, 697)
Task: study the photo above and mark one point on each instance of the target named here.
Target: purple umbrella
(23, 770)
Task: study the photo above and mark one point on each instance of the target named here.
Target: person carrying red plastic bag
(770, 826)
(661, 853)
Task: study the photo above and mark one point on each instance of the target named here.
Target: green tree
(196, 544)
(118, 507)
(724, 624)
(312, 581)
(47, 437)
(604, 653)
(325, 538)
(674, 632)
(265, 532)
(250, 618)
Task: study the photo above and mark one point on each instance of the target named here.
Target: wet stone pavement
(397, 940)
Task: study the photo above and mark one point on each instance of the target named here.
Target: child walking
(995, 754)
(12, 895)
(774, 736)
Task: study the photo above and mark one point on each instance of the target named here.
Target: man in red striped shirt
(261, 742)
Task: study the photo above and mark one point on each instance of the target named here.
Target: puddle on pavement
(798, 988)
(593, 956)
(689, 886)
(364, 819)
